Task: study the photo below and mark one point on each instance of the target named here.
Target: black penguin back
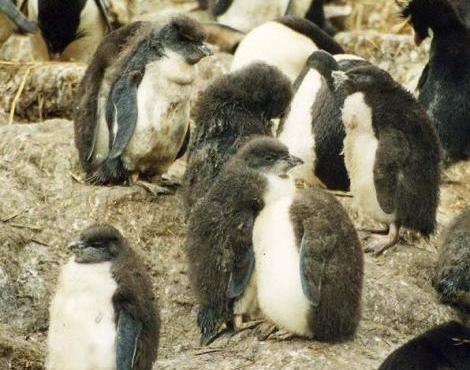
(59, 22)
(446, 346)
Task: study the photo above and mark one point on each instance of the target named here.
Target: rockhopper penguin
(132, 119)
(233, 108)
(220, 236)
(308, 258)
(312, 128)
(103, 314)
(391, 151)
(444, 87)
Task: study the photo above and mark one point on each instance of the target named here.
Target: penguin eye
(268, 158)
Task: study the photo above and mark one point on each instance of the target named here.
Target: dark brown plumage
(235, 107)
(332, 258)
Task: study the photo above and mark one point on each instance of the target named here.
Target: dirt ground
(43, 205)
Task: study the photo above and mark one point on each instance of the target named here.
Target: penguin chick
(23, 24)
(391, 152)
(136, 118)
(70, 30)
(309, 262)
(285, 43)
(452, 281)
(103, 314)
(446, 346)
(312, 128)
(444, 87)
(233, 108)
(220, 230)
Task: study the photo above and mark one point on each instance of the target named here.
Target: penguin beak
(204, 49)
(294, 161)
(76, 245)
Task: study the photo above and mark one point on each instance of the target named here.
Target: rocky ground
(44, 204)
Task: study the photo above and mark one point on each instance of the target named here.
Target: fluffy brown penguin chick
(391, 150)
(103, 314)
(219, 238)
(134, 122)
(231, 110)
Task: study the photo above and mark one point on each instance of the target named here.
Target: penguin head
(365, 78)
(98, 243)
(268, 156)
(185, 36)
(324, 63)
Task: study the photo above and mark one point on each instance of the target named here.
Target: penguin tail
(439, 15)
(209, 322)
(110, 172)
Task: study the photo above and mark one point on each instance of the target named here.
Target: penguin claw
(154, 189)
(380, 243)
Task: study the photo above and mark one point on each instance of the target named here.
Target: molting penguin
(391, 151)
(233, 108)
(312, 128)
(219, 239)
(308, 258)
(103, 314)
(70, 30)
(446, 346)
(133, 117)
(285, 43)
(15, 16)
(444, 87)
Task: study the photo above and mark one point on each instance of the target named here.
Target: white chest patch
(275, 44)
(280, 294)
(163, 115)
(82, 332)
(297, 132)
(360, 146)
(245, 15)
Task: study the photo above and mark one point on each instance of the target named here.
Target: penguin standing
(391, 151)
(133, 116)
(286, 43)
(446, 346)
(312, 128)
(444, 87)
(70, 30)
(220, 237)
(103, 314)
(233, 108)
(309, 263)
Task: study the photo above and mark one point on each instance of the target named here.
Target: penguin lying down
(296, 256)
(132, 114)
(103, 314)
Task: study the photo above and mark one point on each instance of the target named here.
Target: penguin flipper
(127, 341)
(392, 151)
(122, 107)
(241, 274)
(316, 248)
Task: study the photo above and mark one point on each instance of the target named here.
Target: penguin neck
(174, 68)
(277, 188)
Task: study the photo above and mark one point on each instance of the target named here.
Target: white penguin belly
(163, 117)
(275, 44)
(82, 333)
(297, 133)
(360, 147)
(280, 294)
(245, 15)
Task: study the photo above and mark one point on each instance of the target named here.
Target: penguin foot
(379, 244)
(169, 183)
(154, 189)
(374, 231)
(239, 325)
(264, 331)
